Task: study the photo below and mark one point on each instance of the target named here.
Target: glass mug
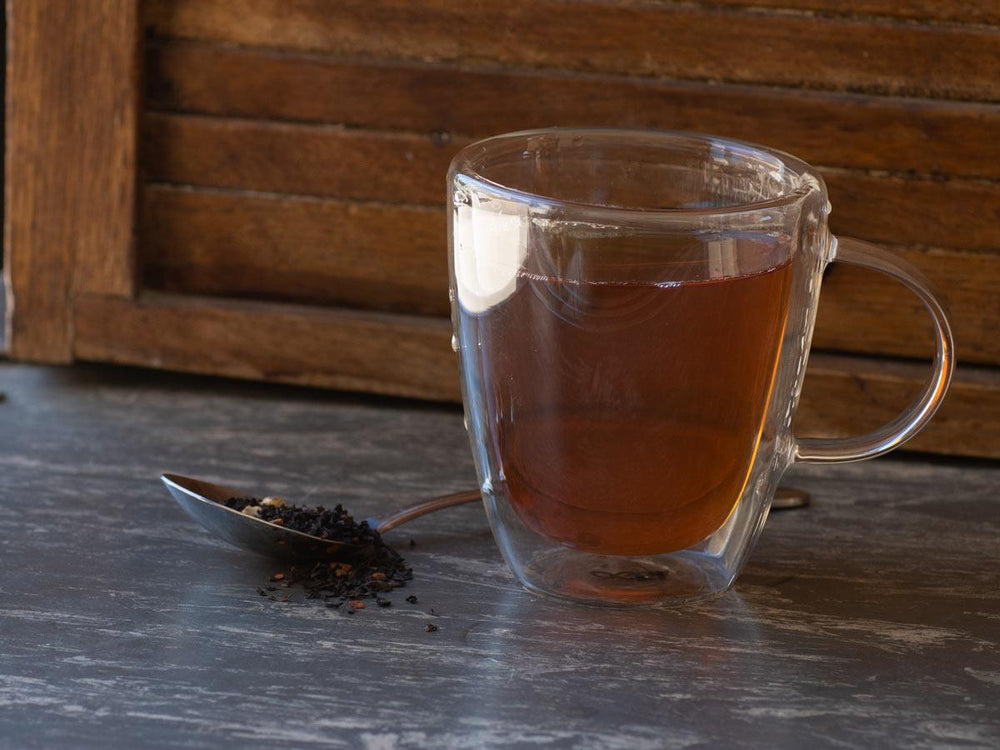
(633, 312)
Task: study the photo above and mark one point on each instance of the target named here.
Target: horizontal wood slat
(294, 158)
(407, 168)
(374, 255)
(392, 354)
(842, 130)
(952, 213)
(864, 311)
(637, 38)
(844, 396)
(961, 11)
(408, 356)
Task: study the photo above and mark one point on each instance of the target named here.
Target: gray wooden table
(871, 619)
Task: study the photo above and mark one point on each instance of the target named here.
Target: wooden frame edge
(405, 355)
(70, 182)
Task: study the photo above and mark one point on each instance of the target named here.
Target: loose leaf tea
(369, 576)
(336, 525)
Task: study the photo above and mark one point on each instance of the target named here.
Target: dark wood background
(277, 207)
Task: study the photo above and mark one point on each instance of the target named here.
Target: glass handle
(917, 414)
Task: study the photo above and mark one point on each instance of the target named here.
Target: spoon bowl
(203, 501)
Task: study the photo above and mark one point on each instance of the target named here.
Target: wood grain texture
(844, 396)
(392, 354)
(867, 312)
(72, 103)
(837, 129)
(368, 255)
(953, 213)
(394, 257)
(637, 38)
(958, 11)
(294, 158)
(868, 620)
(3, 316)
(345, 350)
(409, 168)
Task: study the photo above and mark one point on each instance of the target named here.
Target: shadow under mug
(633, 312)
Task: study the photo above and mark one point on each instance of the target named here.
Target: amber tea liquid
(626, 415)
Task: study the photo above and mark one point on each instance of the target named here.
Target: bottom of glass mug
(699, 572)
(600, 580)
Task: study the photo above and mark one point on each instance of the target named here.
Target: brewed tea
(626, 415)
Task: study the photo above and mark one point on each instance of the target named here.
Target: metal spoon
(203, 502)
(790, 498)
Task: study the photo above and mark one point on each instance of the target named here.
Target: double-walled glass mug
(633, 312)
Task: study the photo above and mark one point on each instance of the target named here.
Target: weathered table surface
(871, 619)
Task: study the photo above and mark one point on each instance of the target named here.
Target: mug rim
(464, 166)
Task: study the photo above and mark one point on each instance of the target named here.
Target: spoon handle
(785, 498)
(427, 506)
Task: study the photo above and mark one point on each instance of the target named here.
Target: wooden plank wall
(295, 150)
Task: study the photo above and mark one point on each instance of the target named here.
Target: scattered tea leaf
(379, 571)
